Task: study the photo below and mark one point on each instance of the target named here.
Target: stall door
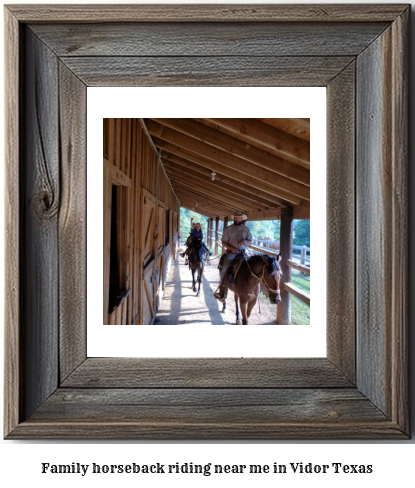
(150, 271)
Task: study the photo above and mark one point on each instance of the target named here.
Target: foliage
(265, 228)
(301, 233)
(259, 228)
(185, 218)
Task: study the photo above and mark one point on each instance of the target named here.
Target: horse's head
(273, 275)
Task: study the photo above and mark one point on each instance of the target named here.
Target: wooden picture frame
(360, 53)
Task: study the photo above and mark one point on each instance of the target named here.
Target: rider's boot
(220, 293)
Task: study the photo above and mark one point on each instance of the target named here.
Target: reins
(262, 278)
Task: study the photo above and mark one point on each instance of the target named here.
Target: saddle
(233, 268)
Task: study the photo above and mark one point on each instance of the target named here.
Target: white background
(198, 340)
(20, 462)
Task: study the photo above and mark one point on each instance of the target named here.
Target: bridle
(262, 278)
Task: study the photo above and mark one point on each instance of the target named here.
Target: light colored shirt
(234, 234)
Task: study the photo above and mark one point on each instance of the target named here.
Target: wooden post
(286, 249)
(225, 223)
(303, 255)
(216, 234)
(210, 229)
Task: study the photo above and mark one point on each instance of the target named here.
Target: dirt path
(180, 305)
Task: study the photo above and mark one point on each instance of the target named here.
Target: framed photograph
(203, 326)
(359, 390)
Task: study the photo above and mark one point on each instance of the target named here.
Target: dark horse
(257, 270)
(196, 263)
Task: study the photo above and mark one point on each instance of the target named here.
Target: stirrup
(182, 254)
(218, 296)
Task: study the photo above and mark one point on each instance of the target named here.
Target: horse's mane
(272, 264)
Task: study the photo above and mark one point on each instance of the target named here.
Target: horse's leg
(251, 305)
(238, 322)
(194, 280)
(224, 307)
(243, 311)
(199, 279)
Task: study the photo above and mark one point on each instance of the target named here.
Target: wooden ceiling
(261, 165)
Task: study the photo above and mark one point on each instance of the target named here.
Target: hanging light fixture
(213, 175)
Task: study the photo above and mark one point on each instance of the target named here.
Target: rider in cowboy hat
(236, 238)
(196, 234)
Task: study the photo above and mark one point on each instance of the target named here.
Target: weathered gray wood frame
(52, 390)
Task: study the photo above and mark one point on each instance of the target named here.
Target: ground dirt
(180, 305)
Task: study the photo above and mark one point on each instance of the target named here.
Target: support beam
(216, 234)
(223, 168)
(268, 214)
(296, 127)
(197, 199)
(206, 183)
(286, 249)
(285, 187)
(206, 190)
(210, 233)
(203, 211)
(195, 167)
(188, 201)
(236, 173)
(198, 136)
(265, 137)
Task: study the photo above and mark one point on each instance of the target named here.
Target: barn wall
(147, 221)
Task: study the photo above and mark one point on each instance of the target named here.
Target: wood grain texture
(72, 223)
(374, 219)
(382, 250)
(206, 13)
(194, 132)
(341, 233)
(12, 369)
(149, 429)
(206, 71)
(213, 405)
(211, 399)
(206, 373)
(286, 250)
(400, 245)
(40, 214)
(179, 39)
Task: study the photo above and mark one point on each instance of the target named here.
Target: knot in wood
(47, 206)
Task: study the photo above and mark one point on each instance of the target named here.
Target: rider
(196, 234)
(236, 238)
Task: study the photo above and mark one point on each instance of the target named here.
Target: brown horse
(257, 270)
(196, 263)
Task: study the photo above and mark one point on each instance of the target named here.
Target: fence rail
(303, 266)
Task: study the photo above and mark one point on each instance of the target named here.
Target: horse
(196, 263)
(256, 270)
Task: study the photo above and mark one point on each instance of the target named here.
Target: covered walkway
(180, 305)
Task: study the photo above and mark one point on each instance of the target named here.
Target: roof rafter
(259, 195)
(200, 138)
(232, 171)
(206, 184)
(266, 138)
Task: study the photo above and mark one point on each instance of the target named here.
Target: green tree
(301, 233)
(185, 218)
(265, 228)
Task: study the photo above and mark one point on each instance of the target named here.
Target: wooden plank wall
(126, 146)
